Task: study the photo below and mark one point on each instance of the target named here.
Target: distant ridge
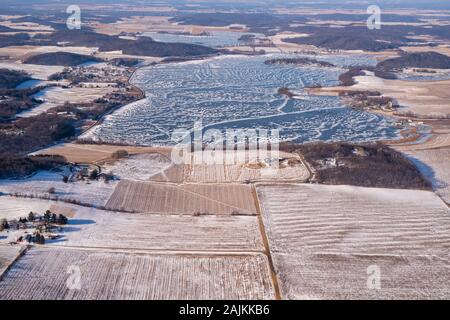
(65, 59)
(432, 60)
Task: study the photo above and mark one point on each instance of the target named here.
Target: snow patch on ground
(138, 167)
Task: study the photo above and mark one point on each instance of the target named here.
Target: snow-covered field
(15, 208)
(435, 165)
(239, 92)
(102, 229)
(246, 172)
(138, 167)
(234, 167)
(56, 96)
(150, 197)
(324, 238)
(94, 193)
(36, 71)
(7, 255)
(45, 273)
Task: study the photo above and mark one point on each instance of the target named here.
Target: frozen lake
(241, 92)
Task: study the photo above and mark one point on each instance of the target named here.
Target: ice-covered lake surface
(241, 92)
(213, 39)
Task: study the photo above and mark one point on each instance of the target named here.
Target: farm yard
(323, 239)
(151, 197)
(114, 275)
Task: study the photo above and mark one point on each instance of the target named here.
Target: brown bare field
(149, 197)
(91, 153)
(113, 276)
(20, 53)
(26, 26)
(323, 239)
(102, 229)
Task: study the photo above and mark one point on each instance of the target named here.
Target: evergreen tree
(54, 218)
(62, 219)
(94, 174)
(5, 224)
(47, 215)
(31, 216)
(39, 239)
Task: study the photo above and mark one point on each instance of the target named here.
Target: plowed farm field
(242, 173)
(146, 197)
(113, 275)
(323, 239)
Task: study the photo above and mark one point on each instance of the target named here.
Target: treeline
(16, 101)
(28, 134)
(125, 62)
(367, 165)
(17, 167)
(18, 39)
(10, 79)
(143, 46)
(299, 62)
(386, 69)
(432, 60)
(351, 38)
(347, 78)
(354, 37)
(66, 59)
